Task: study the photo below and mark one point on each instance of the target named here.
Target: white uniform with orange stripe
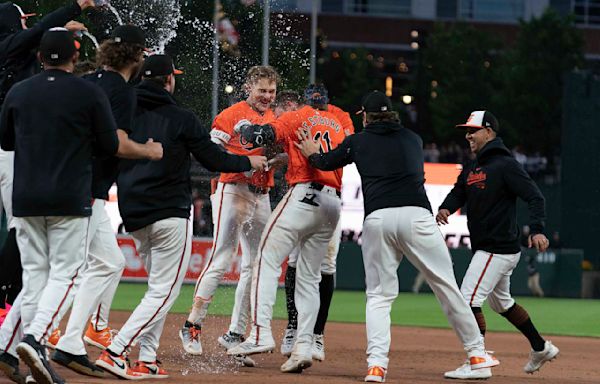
(241, 208)
(307, 215)
(165, 247)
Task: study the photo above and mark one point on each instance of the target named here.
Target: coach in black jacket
(489, 186)
(154, 200)
(398, 221)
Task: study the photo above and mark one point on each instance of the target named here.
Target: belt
(258, 190)
(320, 187)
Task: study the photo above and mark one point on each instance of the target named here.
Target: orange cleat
(118, 366)
(375, 374)
(101, 339)
(53, 339)
(150, 370)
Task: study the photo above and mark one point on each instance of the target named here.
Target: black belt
(319, 187)
(258, 190)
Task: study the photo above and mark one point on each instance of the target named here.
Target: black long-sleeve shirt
(54, 122)
(18, 59)
(150, 191)
(489, 186)
(389, 159)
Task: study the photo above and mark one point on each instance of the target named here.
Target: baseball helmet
(316, 94)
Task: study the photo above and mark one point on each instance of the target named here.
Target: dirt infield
(419, 355)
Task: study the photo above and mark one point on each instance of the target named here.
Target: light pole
(215, 72)
(266, 31)
(313, 42)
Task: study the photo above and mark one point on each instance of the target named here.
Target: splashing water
(158, 19)
(91, 37)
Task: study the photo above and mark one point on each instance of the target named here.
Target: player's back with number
(325, 128)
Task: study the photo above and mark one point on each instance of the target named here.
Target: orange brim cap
(177, 71)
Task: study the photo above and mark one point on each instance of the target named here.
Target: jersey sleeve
(103, 124)
(285, 127)
(344, 118)
(221, 130)
(123, 106)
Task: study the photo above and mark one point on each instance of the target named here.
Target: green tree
(460, 68)
(530, 104)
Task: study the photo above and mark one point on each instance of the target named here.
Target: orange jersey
(324, 127)
(343, 117)
(223, 133)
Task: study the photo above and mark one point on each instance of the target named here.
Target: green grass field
(570, 317)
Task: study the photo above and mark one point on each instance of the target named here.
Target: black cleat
(78, 363)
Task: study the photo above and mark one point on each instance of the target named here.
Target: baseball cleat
(250, 348)
(537, 359)
(10, 366)
(33, 355)
(100, 339)
(464, 372)
(289, 339)
(30, 380)
(318, 347)
(150, 370)
(190, 338)
(230, 339)
(78, 363)
(482, 361)
(118, 366)
(53, 339)
(375, 374)
(296, 364)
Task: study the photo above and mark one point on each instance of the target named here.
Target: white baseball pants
(12, 330)
(53, 250)
(307, 217)
(7, 161)
(165, 247)
(329, 264)
(239, 216)
(388, 234)
(488, 277)
(104, 266)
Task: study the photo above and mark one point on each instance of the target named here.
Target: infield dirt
(418, 355)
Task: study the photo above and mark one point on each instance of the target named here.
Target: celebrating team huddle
(71, 138)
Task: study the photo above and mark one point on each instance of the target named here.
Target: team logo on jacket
(477, 178)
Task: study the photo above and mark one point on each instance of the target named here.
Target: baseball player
(121, 56)
(241, 207)
(53, 145)
(306, 216)
(316, 96)
(161, 226)
(489, 186)
(398, 221)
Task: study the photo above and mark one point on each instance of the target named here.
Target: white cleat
(190, 338)
(287, 344)
(318, 347)
(250, 348)
(537, 359)
(296, 364)
(482, 361)
(464, 372)
(230, 339)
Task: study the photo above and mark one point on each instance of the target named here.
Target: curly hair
(118, 55)
(285, 97)
(262, 72)
(390, 116)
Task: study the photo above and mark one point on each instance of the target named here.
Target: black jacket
(150, 191)
(490, 186)
(18, 46)
(389, 159)
(54, 121)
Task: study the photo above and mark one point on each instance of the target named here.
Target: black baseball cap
(129, 34)
(375, 101)
(57, 46)
(481, 120)
(159, 65)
